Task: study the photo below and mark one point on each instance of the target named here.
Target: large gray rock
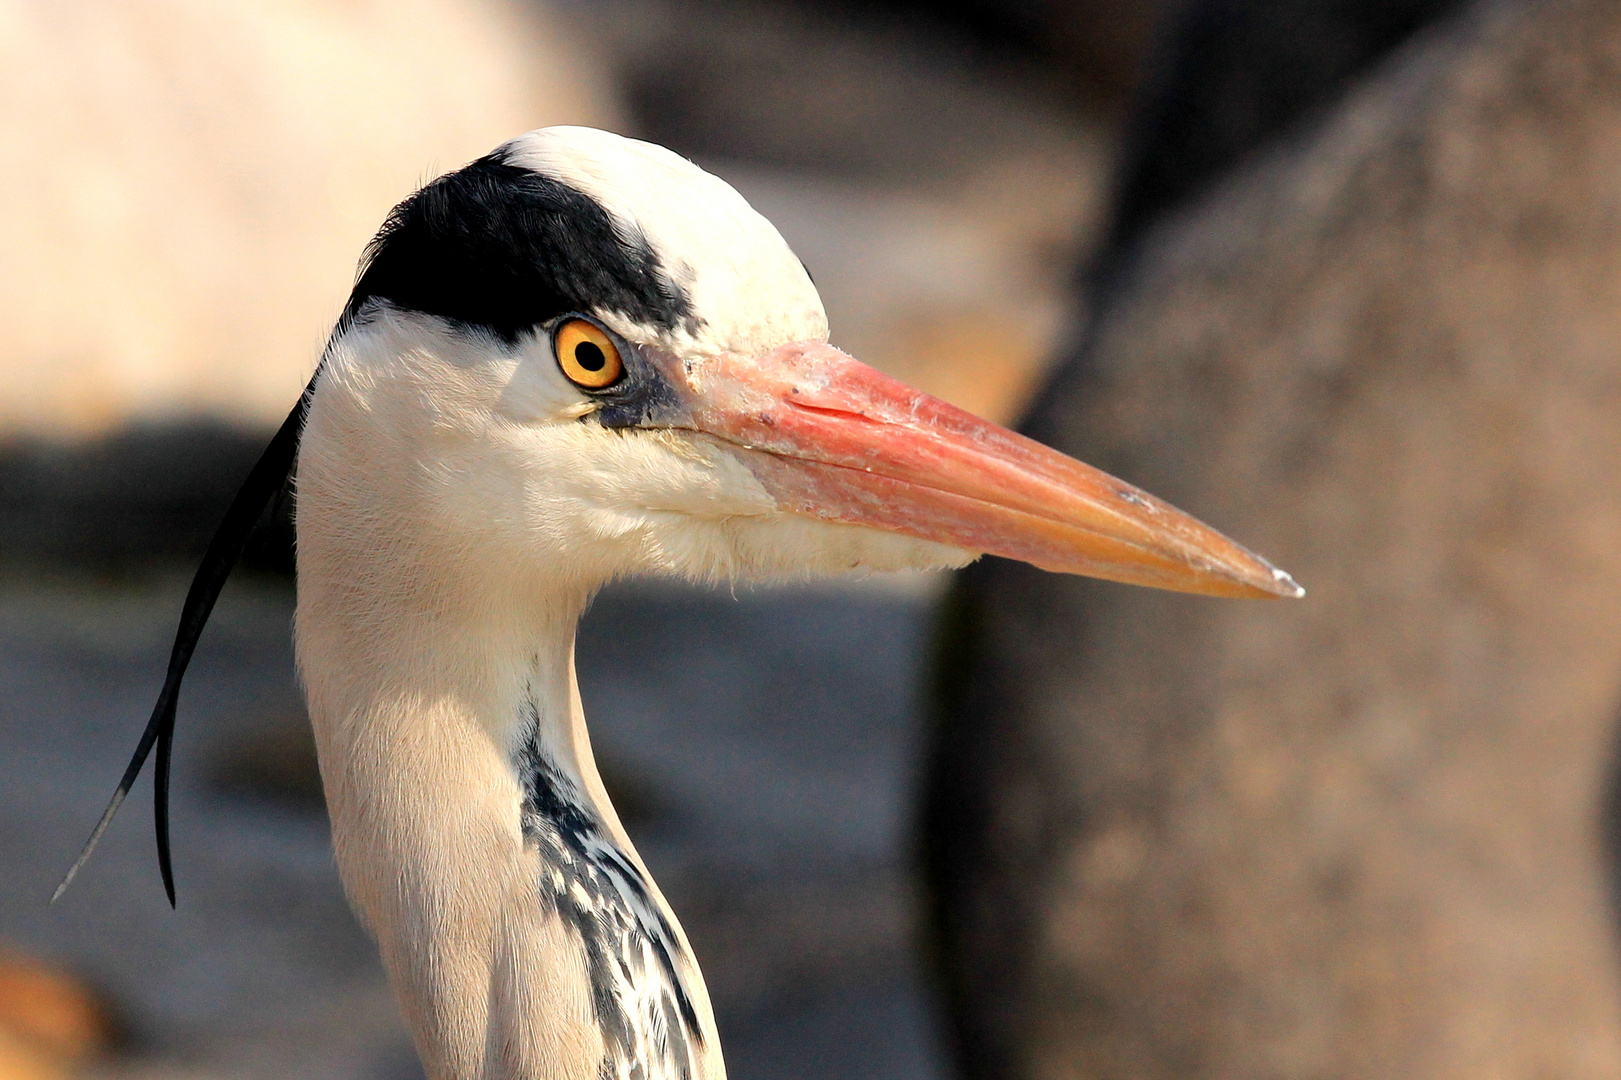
(1229, 78)
(1359, 836)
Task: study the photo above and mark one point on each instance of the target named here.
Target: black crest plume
(265, 482)
(491, 246)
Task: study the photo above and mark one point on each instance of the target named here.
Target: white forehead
(745, 283)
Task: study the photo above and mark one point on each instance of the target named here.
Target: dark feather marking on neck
(574, 846)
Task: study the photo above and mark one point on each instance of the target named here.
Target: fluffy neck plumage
(471, 828)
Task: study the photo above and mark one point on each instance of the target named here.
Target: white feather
(746, 283)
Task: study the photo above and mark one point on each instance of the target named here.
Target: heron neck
(488, 675)
(432, 720)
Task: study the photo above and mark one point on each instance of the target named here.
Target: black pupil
(589, 355)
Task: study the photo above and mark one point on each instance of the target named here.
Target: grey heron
(577, 359)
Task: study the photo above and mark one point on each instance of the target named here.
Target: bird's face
(621, 368)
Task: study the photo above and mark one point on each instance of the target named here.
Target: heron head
(585, 354)
(582, 357)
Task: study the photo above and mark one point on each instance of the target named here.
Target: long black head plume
(266, 481)
(492, 246)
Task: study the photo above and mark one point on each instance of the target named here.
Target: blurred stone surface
(772, 736)
(786, 86)
(274, 762)
(20, 1059)
(1089, 51)
(1359, 835)
(186, 187)
(1095, 48)
(134, 498)
(1229, 79)
(51, 1023)
(963, 295)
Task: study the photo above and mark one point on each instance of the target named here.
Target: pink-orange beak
(830, 437)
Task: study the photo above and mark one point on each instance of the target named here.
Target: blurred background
(1341, 276)
(187, 188)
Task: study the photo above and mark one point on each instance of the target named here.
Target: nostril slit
(845, 414)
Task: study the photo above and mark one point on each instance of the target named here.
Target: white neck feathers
(470, 825)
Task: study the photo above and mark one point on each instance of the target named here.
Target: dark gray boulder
(1358, 836)
(1230, 78)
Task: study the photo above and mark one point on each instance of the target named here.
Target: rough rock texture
(1361, 835)
(1092, 48)
(1229, 77)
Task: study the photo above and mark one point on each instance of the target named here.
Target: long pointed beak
(830, 437)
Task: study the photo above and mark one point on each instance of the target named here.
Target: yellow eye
(587, 356)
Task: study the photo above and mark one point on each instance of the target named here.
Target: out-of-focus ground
(762, 748)
(186, 189)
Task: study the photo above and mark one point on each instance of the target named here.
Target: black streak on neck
(590, 895)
